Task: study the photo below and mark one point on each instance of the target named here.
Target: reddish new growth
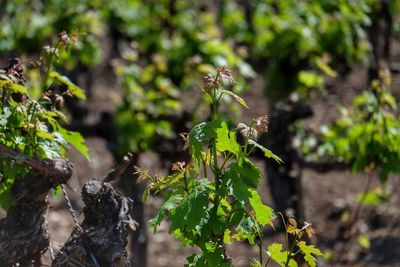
(223, 73)
(262, 124)
(185, 138)
(13, 72)
(178, 166)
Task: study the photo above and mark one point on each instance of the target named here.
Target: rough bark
(105, 228)
(380, 33)
(285, 179)
(138, 244)
(102, 237)
(23, 236)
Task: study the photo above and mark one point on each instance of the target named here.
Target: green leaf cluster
(27, 24)
(296, 246)
(156, 73)
(367, 135)
(214, 199)
(33, 126)
(297, 41)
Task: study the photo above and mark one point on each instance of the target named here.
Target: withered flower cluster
(13, 72)
(223, 73)
(252, 132)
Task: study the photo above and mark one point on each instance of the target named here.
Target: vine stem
(364, 194)
(204, 167)
(57, 167)
(214, 116)
(246, 142)
(260, 250)
(48, 65)
(186, 182)
(356, 214)
(290, 251)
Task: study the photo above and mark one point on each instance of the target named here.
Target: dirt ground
(329, 197)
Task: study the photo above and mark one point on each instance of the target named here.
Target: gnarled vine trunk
(103, 237)
(23, 235)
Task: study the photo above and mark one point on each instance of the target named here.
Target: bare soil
(330, 197)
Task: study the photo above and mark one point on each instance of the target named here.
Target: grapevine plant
(158, 73)
(33, 126)
(26, 24)
(213, 200)
(294, 43)
(366, 136)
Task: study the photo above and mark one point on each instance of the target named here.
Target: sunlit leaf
(264, 214)
(279, 256)
(235, 97)
(364, 241)
(72, 88)
(268, 153)
(226, 140)
(76, 140)
(309, 252)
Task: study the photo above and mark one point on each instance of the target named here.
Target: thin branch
(57, 167)
(115, 173)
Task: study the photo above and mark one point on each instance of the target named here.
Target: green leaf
(198, 260)
(310, 79)
(235, 97)
(264, 214)
(236, 186)
(198, 210)
(279, 256)
(325, 68)
(255, 263)
(371, 198)
(75, 139)
(192, 211)
(364, 241)
(6, 113)
(226, 140)
(57, 191)
(245, 228)
(5, 191)
(309, 251)
(6, 198)
(227, 237)
(171, 201)
(268, 153)
(74, 90)
(201, 133)
(13, 87)
(247, 171)
(17, 88)
(216, 258)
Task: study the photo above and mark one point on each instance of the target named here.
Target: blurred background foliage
(164, 47)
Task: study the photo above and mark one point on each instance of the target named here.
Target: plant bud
(59, 101)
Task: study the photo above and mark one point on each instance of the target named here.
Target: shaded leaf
(235, 97)
(201, 133)
(74, 89)
(171, 201)
(268, 153)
